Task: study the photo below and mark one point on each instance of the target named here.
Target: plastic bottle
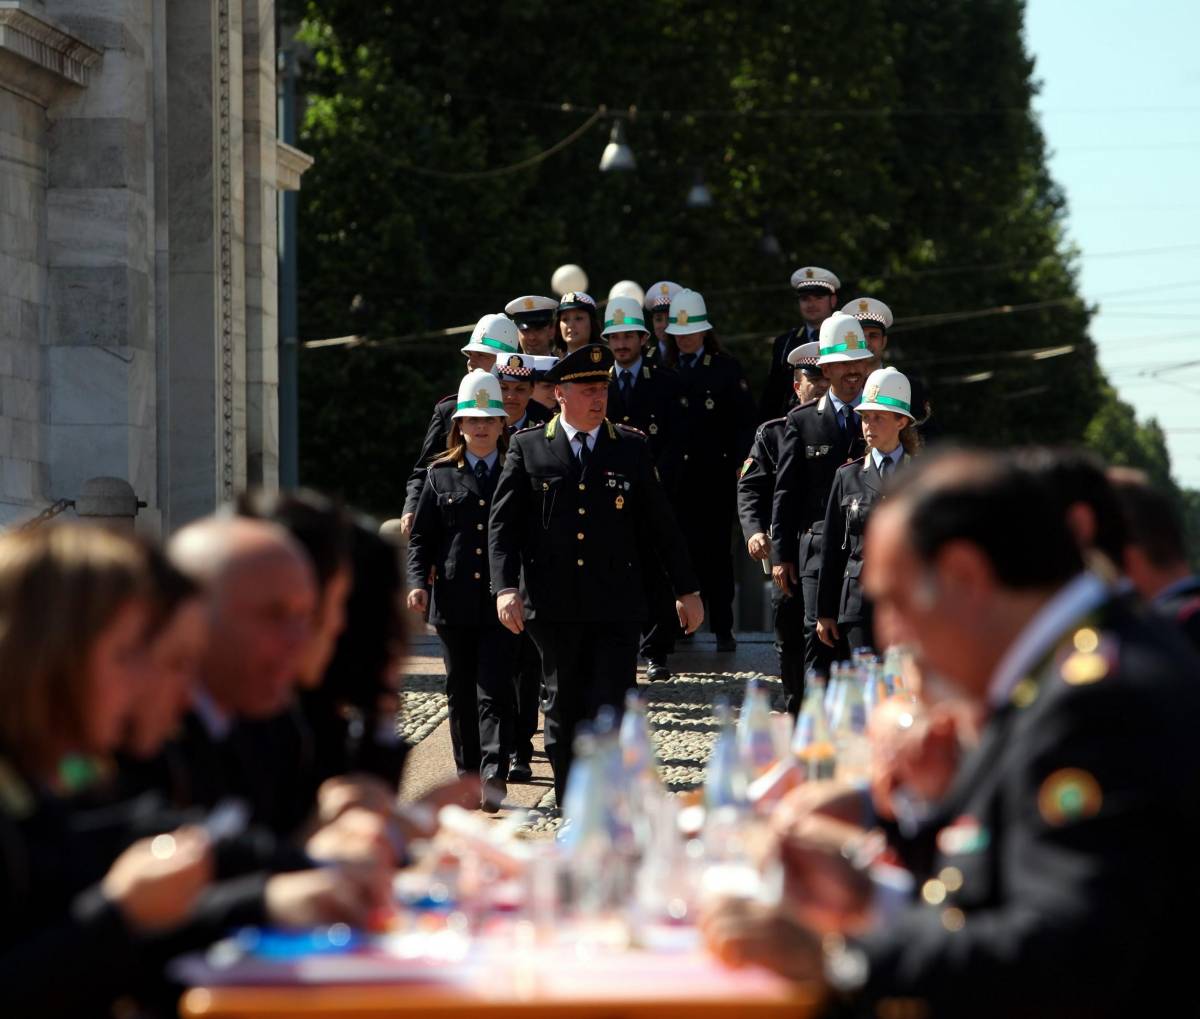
(812, 742)
(755, 739)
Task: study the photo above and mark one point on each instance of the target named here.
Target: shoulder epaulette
(550, 427)
(629, 428)
(449, 396)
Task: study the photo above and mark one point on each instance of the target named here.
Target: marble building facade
(139, 175)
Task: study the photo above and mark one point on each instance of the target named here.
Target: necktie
(687, 360)
(848, 420)
(885, 467)
(584, 452)
(626, 383)
(481, 473)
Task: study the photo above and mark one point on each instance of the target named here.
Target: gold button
(685, 456)
(479, 551)
(479, 527)
(582, 511)
(953, 919)
(933, 892)
(578, 562)
(580, 536)
(582, 486)
(482, 502)
(476, 576)
(952, 878)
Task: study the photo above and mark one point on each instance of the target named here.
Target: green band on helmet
(690, 319)
(891, 401)
(839, 347)
(639, 323)
(475, 405)
(487, 341)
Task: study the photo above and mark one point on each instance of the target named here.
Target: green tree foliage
(890, 140)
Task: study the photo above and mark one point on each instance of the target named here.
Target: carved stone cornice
(37, 57)
(291, 165)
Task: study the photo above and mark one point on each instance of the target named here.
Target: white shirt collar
(571, 431)
(215, 721)
(635, 369)
(1043, 631)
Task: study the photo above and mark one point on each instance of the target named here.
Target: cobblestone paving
(423, 707)
(680, 711)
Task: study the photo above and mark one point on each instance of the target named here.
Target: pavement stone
(680, 711)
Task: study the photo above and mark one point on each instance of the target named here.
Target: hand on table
(155, 882)
(344, 893)
(740, 931)
(340, 793)
(356, 835)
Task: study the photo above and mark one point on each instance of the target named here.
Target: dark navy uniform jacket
(814, 446)
(655, 410)
(448, 548)
(756, 481)
(581, 545)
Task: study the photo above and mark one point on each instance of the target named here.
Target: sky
(1120, 109)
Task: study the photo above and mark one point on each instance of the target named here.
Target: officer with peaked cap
(876, 319)
(844, 613)
(818, 438)
(658, 306)
(719, 415)
(647, 397)
(492, 337)
(448, 568)
(578, 320)
(543, 389)
(816, 291)
(755, 492)
(578, 519)
(534, 317)
(515, 372)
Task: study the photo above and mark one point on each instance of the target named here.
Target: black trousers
(480, 661)
(585, 666)
(790, 645)
(817, 656)
(527, 681)
(707, 527)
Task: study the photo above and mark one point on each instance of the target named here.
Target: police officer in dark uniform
(719, 429)
(755, 492)
(843, 611)
(493, 336)
(534, 316)
(876, 319)
(816, 289)
(448, 565)
(1049, 852)
(657, 305)
(579, 516)
(818, 438)
(516, 375)
(647, 398)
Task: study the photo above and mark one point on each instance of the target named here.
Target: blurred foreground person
(1051, 854)
(68, 949)
(1155, 556)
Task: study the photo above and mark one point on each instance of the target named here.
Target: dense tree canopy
(892, 141)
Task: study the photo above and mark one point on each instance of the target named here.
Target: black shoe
(725, 642)
(494, 791)
(656, 669)
(520, 771)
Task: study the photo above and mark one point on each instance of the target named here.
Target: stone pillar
(100, 332)
(262, 233)
(206, 345)
(41, 62)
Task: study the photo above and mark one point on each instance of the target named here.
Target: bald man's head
(262, 598)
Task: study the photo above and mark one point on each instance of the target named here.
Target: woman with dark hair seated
(72, 943)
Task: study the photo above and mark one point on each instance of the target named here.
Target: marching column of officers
(597, 522)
